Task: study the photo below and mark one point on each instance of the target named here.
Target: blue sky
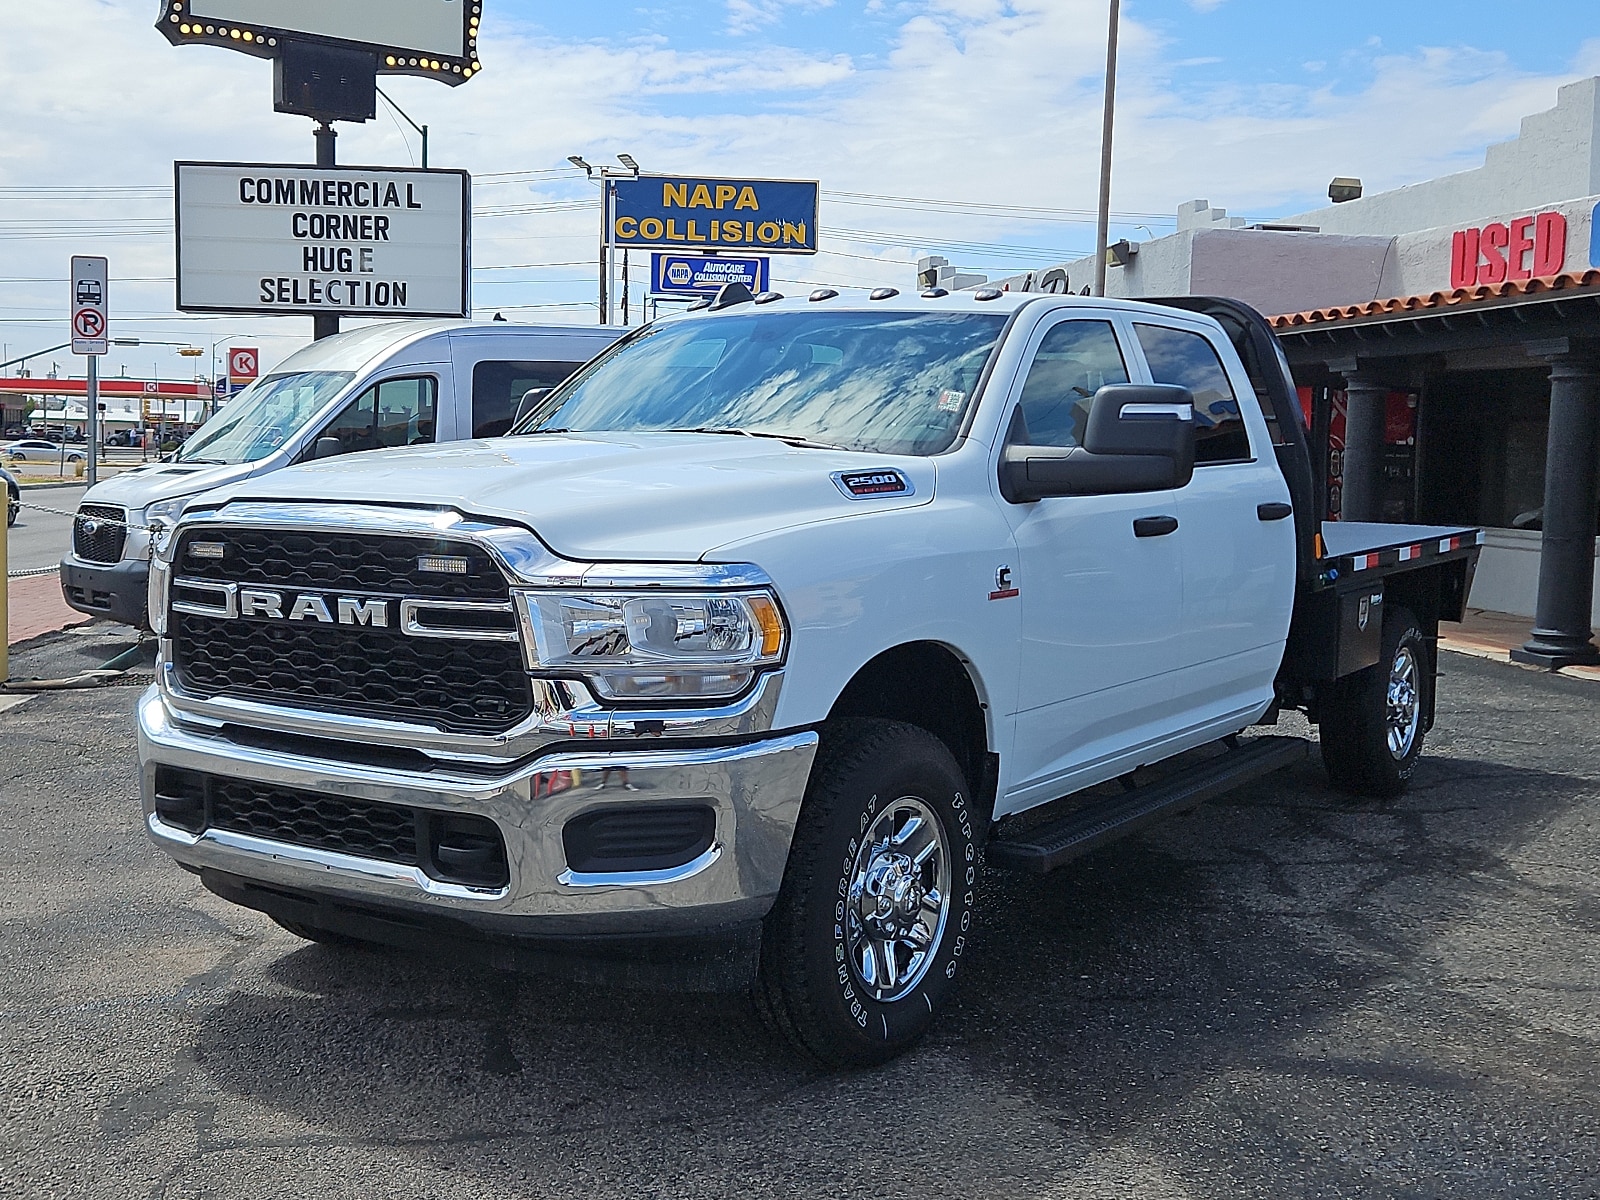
(963, 127)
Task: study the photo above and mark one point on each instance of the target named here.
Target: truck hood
(133, 489)
(608, 496)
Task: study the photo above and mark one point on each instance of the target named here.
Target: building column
(1366, 411)
(1562, 635)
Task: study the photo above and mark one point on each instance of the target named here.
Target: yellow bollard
(77, 468)
(5, 612)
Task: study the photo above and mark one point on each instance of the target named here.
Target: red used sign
(1526, 248)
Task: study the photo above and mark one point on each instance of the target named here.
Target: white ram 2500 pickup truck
(769, 628)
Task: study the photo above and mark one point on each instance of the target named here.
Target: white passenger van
(402, 383)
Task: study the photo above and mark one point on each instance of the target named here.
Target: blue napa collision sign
(670, 212)
(697, 275)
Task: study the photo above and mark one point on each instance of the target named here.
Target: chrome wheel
(898, 899)
(1404, 708)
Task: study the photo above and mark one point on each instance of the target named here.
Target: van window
(497, 389)
(1189, 360)
(396, 412)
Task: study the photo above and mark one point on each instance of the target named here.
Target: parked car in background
(38, 450)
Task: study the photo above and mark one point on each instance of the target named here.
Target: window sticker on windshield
(951, 401)
(864, 485)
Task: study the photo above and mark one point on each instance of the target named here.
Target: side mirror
(529, 402)
(327, 447)
(1139, 438)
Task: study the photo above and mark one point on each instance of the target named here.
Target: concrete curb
(1490, 652)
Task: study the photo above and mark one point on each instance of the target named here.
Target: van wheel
(860, 951)
(1371, 724)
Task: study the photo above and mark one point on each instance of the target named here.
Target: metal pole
(93, 405)
(323, 325)
(624, 285)
(1104, 224)
(424, 147)
(5, 587)
(605, 258)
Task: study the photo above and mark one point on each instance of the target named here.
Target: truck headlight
(655, 644)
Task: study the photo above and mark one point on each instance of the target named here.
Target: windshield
(263, 416)
(888, 383)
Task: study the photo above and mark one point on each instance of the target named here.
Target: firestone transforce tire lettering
(862, 948)
(1371, 724)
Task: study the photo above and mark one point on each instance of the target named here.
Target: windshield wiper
(527, 432)
(793, 439)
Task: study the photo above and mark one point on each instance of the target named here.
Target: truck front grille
(457, 684)
(322, 561)
(99, 532)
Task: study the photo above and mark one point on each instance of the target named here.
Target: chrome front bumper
(754, 787)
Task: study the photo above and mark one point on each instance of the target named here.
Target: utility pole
(1108, 123)
(324, 325)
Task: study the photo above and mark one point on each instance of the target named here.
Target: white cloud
(748, 16)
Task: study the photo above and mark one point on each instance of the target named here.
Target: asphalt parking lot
(1285, 993)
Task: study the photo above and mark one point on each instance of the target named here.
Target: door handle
(1275, 511)
(1154, 526)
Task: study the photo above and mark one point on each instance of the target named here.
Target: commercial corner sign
(346, 241)
(90, 315)
(433, 38)
(703, 275)
(675, 212)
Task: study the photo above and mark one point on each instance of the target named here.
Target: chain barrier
(74, 516)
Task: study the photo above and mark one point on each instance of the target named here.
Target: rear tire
(860, 951)
(1371, 724)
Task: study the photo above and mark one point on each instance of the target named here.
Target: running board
(1048, 846)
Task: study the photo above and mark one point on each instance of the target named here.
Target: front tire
(861, 949)
(1372, 723)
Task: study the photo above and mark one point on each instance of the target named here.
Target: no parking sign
(88, 308)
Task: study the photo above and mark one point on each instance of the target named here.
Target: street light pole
(1103, 225)
(630, 170)
(422, 129)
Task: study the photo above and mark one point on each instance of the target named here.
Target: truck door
(1237, 538)
(1100, 603)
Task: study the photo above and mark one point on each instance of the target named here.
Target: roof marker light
(935, 293)
(823, 293)
(769, 297)
(987, 294)
(884, 293)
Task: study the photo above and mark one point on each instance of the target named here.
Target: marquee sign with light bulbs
(437, 39)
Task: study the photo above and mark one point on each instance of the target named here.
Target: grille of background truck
(472, 687)
(104, 545)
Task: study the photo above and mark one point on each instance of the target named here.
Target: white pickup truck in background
(773, 628)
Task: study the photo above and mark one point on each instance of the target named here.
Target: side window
(396, 412)
(1188, 359)
(1074, 361)
(497, 388)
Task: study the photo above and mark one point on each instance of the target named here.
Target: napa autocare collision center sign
(677, 212)
(348, 241)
